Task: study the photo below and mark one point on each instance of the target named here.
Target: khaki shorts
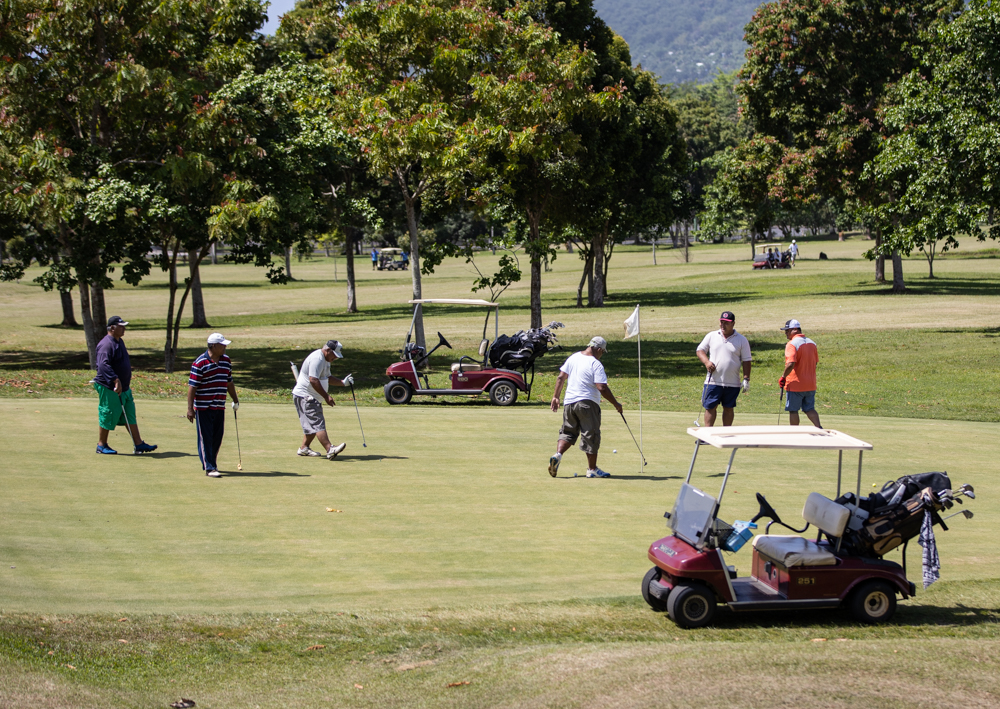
(310, 414)
(582, 419)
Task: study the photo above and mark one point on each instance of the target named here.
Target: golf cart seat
(472, 365)
(821, 512)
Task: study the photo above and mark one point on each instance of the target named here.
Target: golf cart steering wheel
(443, 341)
(767, 511)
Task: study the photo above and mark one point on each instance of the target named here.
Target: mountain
(681, 40)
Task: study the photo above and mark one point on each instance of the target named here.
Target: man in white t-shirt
(310, 388)
(724, 352)
(585, 380)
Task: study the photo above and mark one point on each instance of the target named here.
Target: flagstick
(639, 342)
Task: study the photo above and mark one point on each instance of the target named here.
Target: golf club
(965, 513)
(363, 442)
(239, 465)
(633, 439)
(127, 427)
(781, 395)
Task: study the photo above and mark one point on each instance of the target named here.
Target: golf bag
(520, 350)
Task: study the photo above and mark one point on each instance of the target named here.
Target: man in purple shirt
(113, 380)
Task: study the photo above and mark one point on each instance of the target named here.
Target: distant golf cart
(761, 261)
(841, 566)
(499, 370)
(392, 260)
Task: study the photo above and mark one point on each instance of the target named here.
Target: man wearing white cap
(799, 378)
(211, 378)
(311, 387)
(793, 251)
(586, 382)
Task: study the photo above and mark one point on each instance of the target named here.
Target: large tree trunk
(197, 299)
(69, 319)
(98, 313)
(411, 223)
(88, 323)
(597, 247)
(609, 244)
(536, 291)
(352, 293)
(586, 278)
(898, 285)
(288, 262)
(169, 354)
(879, 259)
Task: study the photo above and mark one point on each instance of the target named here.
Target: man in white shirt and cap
(311, 387)
(586, 382)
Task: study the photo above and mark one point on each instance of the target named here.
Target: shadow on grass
(941, 285)
(168, 454)
(674, 298)
(656, 478)
(370, 456)
(272, 474)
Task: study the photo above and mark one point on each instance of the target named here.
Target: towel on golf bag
(932, 564)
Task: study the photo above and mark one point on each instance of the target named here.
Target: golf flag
(632, 324)
(632, 330)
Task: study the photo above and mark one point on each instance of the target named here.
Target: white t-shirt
(727, 356)
(584, 373)
(315, 365)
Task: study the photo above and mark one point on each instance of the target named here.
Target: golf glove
(349, 380)
(781, 382)
(746, 386)
(236, 406)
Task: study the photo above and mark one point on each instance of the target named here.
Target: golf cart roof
(455, 301)
(791, 437)
(390, 250)
(766, 246)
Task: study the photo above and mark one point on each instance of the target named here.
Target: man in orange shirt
(799, 378)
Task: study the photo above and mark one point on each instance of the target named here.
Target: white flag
(632, 324)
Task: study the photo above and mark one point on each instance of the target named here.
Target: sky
(277, 9)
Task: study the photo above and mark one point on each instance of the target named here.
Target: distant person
(374, 258)
(311, 387)
(724, 352)
(115, 405)
(799, 378)
(211, 378)
(406, 259)
(793, 252)
(586, 382)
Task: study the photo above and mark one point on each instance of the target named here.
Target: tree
(816, 78)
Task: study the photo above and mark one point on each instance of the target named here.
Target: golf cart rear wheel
(873, 602)
(691, 606)
(503, 393)
(398, 392)
(657, 604)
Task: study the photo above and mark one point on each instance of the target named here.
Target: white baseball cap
(792, 325)
(599, 342)
(335, 347)
(216, 338)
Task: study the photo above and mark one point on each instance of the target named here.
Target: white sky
(277, 9)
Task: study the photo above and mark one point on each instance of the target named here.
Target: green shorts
(109, 408)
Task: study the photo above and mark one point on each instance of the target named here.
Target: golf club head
(239, 466)
(967, 514)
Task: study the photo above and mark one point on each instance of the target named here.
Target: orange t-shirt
(801, 350)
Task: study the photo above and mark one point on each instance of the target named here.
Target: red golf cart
(841, 566)
(471, 375)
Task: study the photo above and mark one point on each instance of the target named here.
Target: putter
(127, 427)
(781, 395)
(633, 440)
(363, 443)
(239, 465)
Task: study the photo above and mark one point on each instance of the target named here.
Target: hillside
(681, 40)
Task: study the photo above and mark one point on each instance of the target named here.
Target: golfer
(211, 377)
(374, 258)
(115, 406)
(799, 378)
(585, 380)
(793, 251)
(723, 352)
(311, 387)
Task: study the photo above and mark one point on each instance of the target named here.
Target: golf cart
(392, 259)
(841, 566)
(500, 369)
(761, 260)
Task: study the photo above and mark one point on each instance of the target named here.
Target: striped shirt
(210, 380)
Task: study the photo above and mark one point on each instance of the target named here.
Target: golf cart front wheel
(691, 606)
(398, 392)
(656, 603)
(873, 602)
(503, 393)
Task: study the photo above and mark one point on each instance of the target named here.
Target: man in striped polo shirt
(799, 377)
(211, 377)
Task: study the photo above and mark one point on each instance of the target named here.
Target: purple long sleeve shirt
(113, 363)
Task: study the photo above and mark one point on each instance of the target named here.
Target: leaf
(457, 684)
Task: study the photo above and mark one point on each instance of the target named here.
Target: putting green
(449, 506)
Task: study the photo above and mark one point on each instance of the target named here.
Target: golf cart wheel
(691, 606)
(398, 392)
(657, 604)
(873, 602)
(503, 393)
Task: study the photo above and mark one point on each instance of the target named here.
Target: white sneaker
(332, 453)
(213, 474)
(554, 464)
(597, 473)
(309, 453)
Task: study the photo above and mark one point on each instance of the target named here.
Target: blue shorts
(795, 400)
(713, 395)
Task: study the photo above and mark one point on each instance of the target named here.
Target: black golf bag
(520, 350)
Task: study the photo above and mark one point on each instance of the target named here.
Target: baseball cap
(598, 342)
(727, 316)
(116, 320)
(336, 347)
(792, 325)
(793, 241)
(216, 338)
